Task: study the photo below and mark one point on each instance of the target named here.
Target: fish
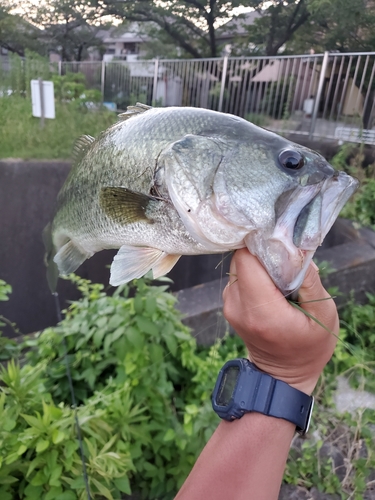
(166, 182)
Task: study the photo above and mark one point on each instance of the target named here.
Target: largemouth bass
(166, 182)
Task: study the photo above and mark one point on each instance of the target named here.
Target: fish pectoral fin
(134, 262)
(70, 257)
(125, 206)
(164, 265)
(81, 146)
(134, 110)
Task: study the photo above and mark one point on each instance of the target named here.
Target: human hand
(282, 341)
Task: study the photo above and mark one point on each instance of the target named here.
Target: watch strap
(276, 398)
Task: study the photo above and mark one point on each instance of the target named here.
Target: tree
(277, 23)
(337, 25)
(189, 24)
(70, 27)
(16, 34)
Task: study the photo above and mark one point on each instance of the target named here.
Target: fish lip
(285, 262)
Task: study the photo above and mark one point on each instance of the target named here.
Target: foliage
(189, 24)
(21, 70)
(70, 27)
(39, 455)
(16, 34)
(8, 347)
(143, 387)
(71, 87)
(22, 137)
(361, 207)
(277, 23)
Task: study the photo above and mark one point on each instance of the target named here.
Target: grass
(22, 137)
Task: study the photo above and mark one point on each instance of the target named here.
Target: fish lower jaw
(285, 263)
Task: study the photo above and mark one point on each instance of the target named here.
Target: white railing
(319, 95)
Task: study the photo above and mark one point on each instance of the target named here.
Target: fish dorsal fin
(125, 206)
(134, 111)
(81, 146)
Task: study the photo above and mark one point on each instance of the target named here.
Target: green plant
(8, 347)
(56, 139)
(133, 343)
(361, 206)
(39, 455)
(258, 119)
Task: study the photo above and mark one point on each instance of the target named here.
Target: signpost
(43, 100)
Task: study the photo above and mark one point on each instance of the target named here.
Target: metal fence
(326, 95)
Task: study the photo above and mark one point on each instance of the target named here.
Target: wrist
(302, 382)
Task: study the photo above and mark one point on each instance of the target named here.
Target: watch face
(227, 386)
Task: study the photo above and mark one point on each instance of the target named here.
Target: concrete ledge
(349, 251)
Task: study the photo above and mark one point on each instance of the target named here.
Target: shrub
(143, 387)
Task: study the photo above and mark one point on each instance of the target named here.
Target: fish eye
(291, 160)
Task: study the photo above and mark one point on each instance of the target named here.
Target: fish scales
(172, 181)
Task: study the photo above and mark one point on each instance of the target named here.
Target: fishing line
(72, 395)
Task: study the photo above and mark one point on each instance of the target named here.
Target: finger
(313, 296)
(253, 279)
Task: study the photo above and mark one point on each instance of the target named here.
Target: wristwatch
(241, 388)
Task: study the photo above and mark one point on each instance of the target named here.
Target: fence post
(155, 85)
(102, 79)
(319, 93)
(223, 78)
(59, 67)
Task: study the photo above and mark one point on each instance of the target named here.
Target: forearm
(243, 460)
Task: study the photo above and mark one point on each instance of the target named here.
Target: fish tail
(52, 269)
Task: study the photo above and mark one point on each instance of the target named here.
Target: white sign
(48, 99)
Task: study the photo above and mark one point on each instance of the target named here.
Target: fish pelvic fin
(134, 111)
(81, 146)
(125, 206)
(52, 269)
(70, 257)
(134, 262)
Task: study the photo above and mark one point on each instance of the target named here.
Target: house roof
(130, 33)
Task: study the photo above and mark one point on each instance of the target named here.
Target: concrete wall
(28, 191)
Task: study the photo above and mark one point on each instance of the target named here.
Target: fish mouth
(300, 229)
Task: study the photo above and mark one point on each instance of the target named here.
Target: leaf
(33, 492)
(115, 321)
(135, 337)
(171, 344)
(182, 335)
(39, 479)
(57, 436)
(98, 336)
(41, 445)
(78, 483)
(102, 489)
(147, 326)
(34, 422)
(169, 435)
(67, 495)
(55, 475)
(123, 485)
(53, 493)
(138, 304)
(8, 480)
(9, 425)
(21, 450)
(150, 305)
